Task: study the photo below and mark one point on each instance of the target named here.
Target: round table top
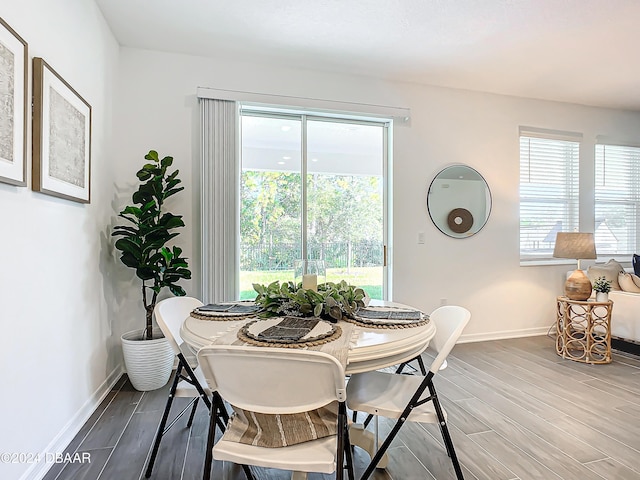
(372, 348)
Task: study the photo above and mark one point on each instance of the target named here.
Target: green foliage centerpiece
(332, 301)
(149, 229)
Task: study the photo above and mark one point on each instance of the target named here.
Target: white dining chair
(405, 397)
(278, 381)
(188, 381)
(399, 370)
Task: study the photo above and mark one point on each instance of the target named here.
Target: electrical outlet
(421, 238)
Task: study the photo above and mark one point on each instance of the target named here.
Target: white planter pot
(602, 297)
(148, 362)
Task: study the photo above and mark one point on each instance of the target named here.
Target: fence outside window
(280, 256)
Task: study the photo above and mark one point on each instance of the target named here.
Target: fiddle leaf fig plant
(332, 301)
(148, 230)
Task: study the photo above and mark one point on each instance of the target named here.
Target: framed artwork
(14, 67)
(61, 137)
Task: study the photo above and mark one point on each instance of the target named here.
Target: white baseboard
(73, 426)
(483, 337)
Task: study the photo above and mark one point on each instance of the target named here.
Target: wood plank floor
(516, 411)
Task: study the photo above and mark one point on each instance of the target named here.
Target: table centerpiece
(331, 301)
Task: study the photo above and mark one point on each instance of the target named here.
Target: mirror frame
(456, 213)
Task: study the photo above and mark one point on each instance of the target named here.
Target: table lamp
(577, 246)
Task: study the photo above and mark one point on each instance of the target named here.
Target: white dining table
(370, 349)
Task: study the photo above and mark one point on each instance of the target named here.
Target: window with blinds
(617, 198)
(549, 180)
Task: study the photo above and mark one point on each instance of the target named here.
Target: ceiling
(578, 51)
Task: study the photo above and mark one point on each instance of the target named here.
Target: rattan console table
(584, 330)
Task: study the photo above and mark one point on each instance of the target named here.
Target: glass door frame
(303, 116)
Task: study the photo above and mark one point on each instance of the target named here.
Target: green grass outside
(368, 278)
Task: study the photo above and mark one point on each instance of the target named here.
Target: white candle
(310, 282)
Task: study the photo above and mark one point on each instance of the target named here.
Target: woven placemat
(227, 314)
(242, 335)
(226, 318)
(361, 323)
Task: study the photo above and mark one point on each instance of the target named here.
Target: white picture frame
(14, 71)
(61, 137)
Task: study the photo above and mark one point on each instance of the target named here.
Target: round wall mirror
(459, 201)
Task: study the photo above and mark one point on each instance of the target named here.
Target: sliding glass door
(336, 214)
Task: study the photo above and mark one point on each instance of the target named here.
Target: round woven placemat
(221, 318)
(308, 343)
(360, 323)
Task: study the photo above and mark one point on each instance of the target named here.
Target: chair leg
(218, 417)
(344, 445)
(415, 400)
(342, 420)
(193, 412)
(247, 472)
(401, 368)
(208, 458)
(193, 380)
(452, 452)
(383, 448)
(446, 436)
(163, 422)
(441, 426)
(223, 417)
(367, 420)
(423, 369)
(347, 449)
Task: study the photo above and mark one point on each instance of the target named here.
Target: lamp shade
(575, 245)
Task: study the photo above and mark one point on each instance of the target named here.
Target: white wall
(158, 109)
(57, 342)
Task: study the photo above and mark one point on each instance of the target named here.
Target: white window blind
(548, 193)
(617, 197)
(219, 199)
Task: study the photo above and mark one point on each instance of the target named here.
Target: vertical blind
(617, 197)
(219, 199)
(549, 180)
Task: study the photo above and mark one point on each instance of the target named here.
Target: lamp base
(577, 286)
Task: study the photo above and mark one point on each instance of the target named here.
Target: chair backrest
(170, 314)
(273, 380)
(450, 321)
